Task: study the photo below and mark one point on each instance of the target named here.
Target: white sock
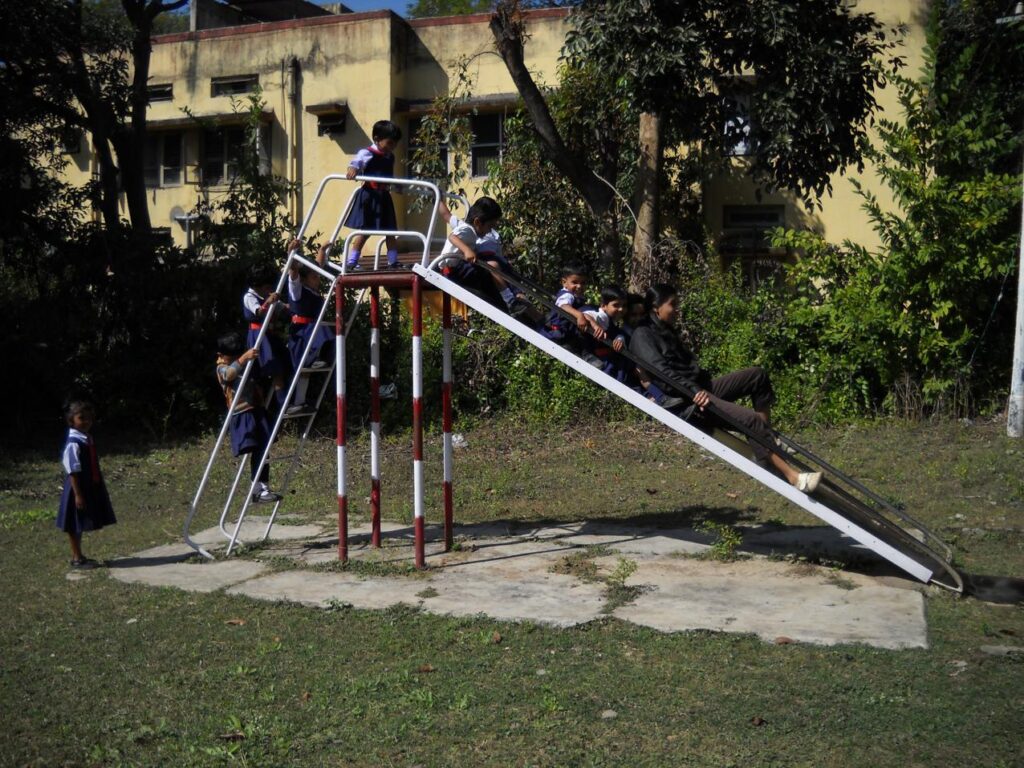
(300, 391)
(507, 295)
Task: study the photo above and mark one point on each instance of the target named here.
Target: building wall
(840, 216)
(376, 61)
(373, 62)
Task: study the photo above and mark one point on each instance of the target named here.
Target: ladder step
(300, 414)
(319, 369)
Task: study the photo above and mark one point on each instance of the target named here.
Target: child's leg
(500, 284)
(355, 249)
(75, 540)
(392, 245)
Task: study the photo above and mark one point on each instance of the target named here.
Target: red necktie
(94, 461)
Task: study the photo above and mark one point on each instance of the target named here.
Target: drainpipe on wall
(294, 74)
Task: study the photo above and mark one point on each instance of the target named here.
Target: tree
(427, 8)
(911, 318)
(91, 68)
(807, 70)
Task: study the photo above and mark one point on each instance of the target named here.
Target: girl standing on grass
(84, 504)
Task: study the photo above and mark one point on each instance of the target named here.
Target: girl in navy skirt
(249, 430)
(84, 504)
(305, 302)
(273, 362)
(373, 207)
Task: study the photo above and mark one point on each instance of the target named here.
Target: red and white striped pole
(375, 415)
(417, 417)
(339, 390)
(446, 406)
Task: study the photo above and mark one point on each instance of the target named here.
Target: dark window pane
(151, 161)
(485, 129)
(482, 158)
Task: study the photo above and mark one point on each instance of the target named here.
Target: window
(438, 167)
(488, 141)
(738, 125)
(330, 117)
(162, 159)
(71, 140)
(745, 240)
(160, 93)
(221, 150)
(234, 85)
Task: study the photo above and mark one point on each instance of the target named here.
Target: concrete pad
(252, 531)
(760, 597)
(320, 589)
(191, 577)
(515, 584)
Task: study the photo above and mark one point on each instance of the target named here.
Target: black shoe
(266, 496)
(353, 267)
(84, 564)
(396, 267)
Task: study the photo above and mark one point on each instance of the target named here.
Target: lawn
(96, 672)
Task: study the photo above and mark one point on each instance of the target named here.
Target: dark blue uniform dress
(611, 362)
(273, 359)
(373, 207)
(98, 512)
(560, 328)
(305, 311)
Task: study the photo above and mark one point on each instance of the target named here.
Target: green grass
(96, 672)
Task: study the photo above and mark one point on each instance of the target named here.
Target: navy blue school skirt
(97, 513)
(298, 339)
(273, 355)
(249, 432)
(372, 209)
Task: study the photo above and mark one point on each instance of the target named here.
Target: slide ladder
(332, 272)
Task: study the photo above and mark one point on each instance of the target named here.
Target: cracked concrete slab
(772, 600)
(321, 589)
(191, 577)
(504, 570)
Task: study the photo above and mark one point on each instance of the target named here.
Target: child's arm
(76, 488)
(296, 246)
(467, 250)
(445, 211)
(321, 254)
(355, 167)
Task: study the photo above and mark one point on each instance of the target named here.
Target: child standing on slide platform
(373, 207)
(85, 503)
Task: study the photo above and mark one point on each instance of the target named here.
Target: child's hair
(385, 129)
(572, 268)
(610, 293)
(658, 294)
(484, 209)
(635, 298)
(261, 275)
(76, 405)
(229, 344)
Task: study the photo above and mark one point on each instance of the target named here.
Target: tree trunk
(108, 182)
(131, 142)
(648, 179)
(506, 26)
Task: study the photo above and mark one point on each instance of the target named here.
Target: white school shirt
(72, 459)
(463, 231)
(252, 302)
(602, 319)
(363, 156)
(564, 299)
(294, 287)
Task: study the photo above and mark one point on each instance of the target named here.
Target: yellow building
(327, 75)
